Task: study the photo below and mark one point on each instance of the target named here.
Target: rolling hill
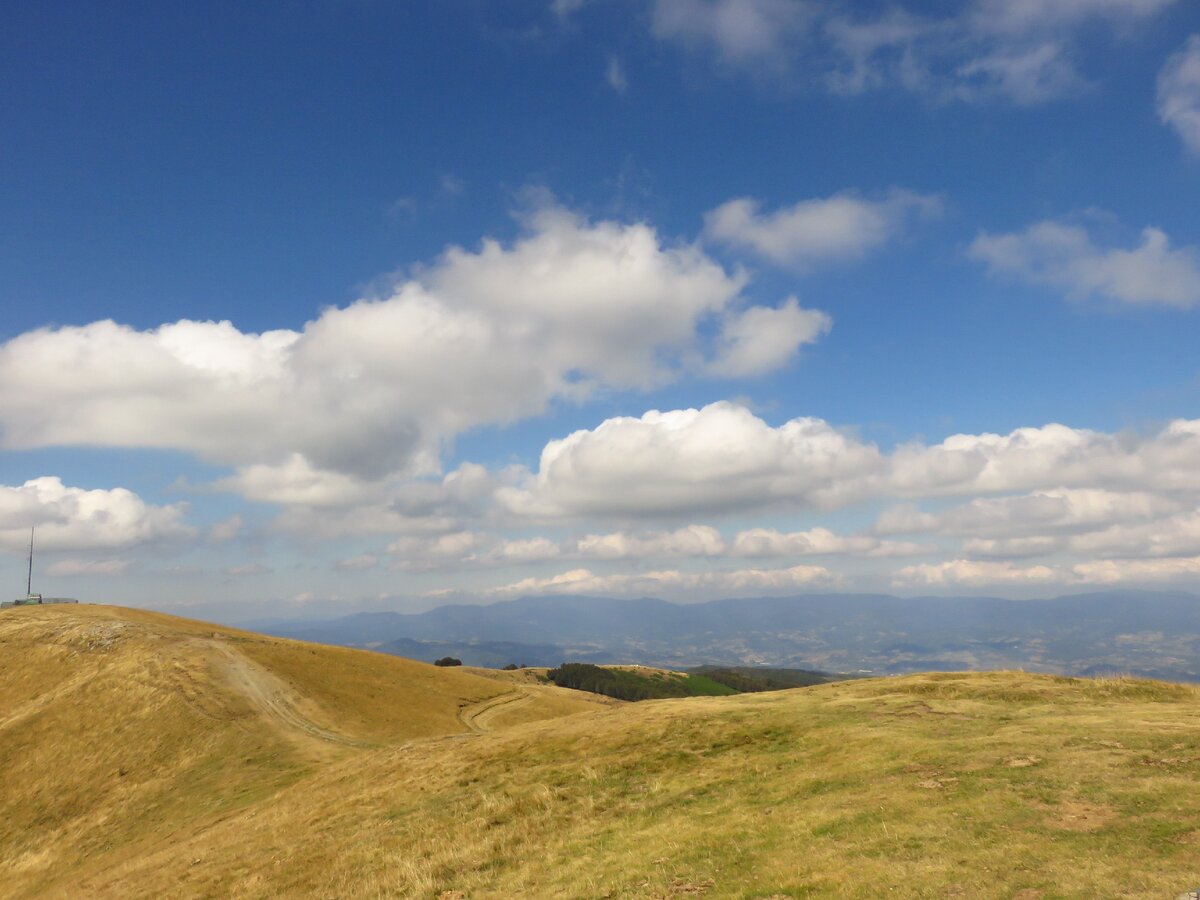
(142, 755)
(120, 730)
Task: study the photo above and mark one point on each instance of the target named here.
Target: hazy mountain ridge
(1149, 633)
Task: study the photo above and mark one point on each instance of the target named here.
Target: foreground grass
(125, 733)
(995, 785)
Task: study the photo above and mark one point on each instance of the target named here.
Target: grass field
(946, 785)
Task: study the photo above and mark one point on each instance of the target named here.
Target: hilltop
(139, 761)
(122, 729)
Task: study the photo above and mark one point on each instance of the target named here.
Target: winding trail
(270, 696)
(478, 716)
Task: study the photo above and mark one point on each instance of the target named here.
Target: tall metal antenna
(29, 580)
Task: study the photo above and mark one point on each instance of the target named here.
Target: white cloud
(423, 553)
(760, 339)
(524, 550)
(693, 540)
(720, 458)
(376, 390)
(985, 573)
(817, 231)
(295, 481)
(1013, 548)
(1056, 510)
(973, 573)
(765, 542)
(1026, 74)
(1067, 257)
(1177, 535)
(1018, 50)
(670, 581)
(71, 518)
(1136, 571)
(471, 549)
(723, 459)
(1179, 93)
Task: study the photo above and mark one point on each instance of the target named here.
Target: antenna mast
(29, 579)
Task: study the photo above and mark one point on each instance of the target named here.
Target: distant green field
(625, 684)
(751, 679)
(703, 681)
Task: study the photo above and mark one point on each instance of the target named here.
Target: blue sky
(336, 305)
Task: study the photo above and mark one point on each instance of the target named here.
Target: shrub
(447, 661)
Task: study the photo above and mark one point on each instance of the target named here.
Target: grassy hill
(138, 758)
(123, 730)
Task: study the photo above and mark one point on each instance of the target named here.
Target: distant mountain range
(1149, 633)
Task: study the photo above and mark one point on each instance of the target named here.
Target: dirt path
(273, 698)
(478, 717)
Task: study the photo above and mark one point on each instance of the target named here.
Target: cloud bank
(379, 388)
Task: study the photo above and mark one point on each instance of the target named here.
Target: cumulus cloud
(761, 339)
(1019, 51)
(671, 581)
(1013, 548)
(375, 390)
(423, 553)
(983, 573)
(816, 542)
(723, 459)
(1068, 258)
(817, 231)
(1056, 510)
(471, 549)
(973, 573)
(694, 540)
(1049, 457)
(1136, 571)
(70, 518)
(1179, 93)
(1177, 535)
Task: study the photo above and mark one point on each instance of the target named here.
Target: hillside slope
(121, 730)
(1002, 785)
(943, 785)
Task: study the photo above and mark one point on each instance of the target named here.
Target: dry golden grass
(989, 785)
(123, 730)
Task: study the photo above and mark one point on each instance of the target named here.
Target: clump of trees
(748, 679)
(447, 661)
(586, 677)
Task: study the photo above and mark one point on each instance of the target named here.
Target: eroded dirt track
(478, 717)
(271, 697)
